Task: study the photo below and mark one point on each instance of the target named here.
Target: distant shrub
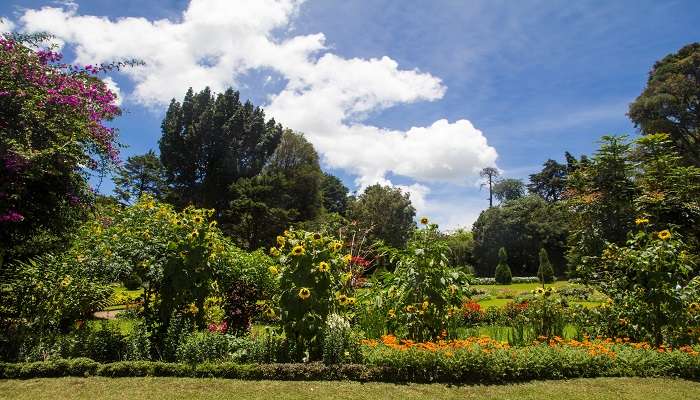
(503, 275)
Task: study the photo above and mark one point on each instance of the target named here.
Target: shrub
(205, 346)
(269, 347)
(545, 272)
(132, 282)
(105, 343)
(340, 343)
(503, 275)
(138, 343)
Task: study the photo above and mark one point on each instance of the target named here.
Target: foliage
(209, 142)
(334, 195)
(141, 174)
(47, 294)
(523, 226)
(340, 344)
(52, 132)
(545, 272)
(287, 191)
(423, 292)
(669, 102)
(549, 183)
(387, 212)
(202, 347)
(515, 279)
(508, 189)
(503, 275)
(314, 281)
(645, 281)
(461, 245)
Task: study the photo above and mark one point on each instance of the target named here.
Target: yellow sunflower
(274, 252)
(317, 236)
(270, 312)
(640, 221)
(425, 305)
(298, 251)
(304, 293)
(664, 235)
(280, 241)
(198, 220)
(391, 313)
(323, 267)
(424, 220)
(351, 301)
(212, 224)
(347, 258)
(694, 307)
(342, 299)
(193, 235)
(273, 270)
(410, 309)
(335, 246)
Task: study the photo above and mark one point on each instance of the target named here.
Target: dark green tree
(140, 175)
(523, 226)
(508, 189)
(461, 244)
(550, 183)
(209, 142)
(503, 275)
(334, 194)
(287, 191)
(545, 272)
(670, 103)
(387, 212)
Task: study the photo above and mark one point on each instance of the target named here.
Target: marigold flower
(298, 251)
(424, 220)
(323, 267)
(304, 293)
(664, 235)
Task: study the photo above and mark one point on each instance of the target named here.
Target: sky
(415, 94)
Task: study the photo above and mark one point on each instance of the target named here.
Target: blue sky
(533, 78)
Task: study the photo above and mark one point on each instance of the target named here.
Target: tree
(334, 195)
(52, 134)
(209, 142)
(503, 275)
(508, 189)
(551, 181)
(140, 175)
(387, 211)
(545, 272)
(490, 174)
(287, 191)
(461, 244)
(670, 103)
(523, 226)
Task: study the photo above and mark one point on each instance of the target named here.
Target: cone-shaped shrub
(545, 272)
(503, 274)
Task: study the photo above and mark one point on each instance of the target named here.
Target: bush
(132, 282)
(503, 275)
(545, 272)
(340, 343)
(515, 279)
(202, 347)
(269, 347)
(138, 343)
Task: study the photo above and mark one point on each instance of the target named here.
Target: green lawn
(192, 388)
(503, 294)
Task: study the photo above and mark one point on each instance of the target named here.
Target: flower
(212, 224)
(178, 222)
(298, 251)
(304, 293)
(317, 236)
(273, 270)
(192, 308)
(270, 312)
(664, 235)
(347, 258)
(323, 267)
(640, 221)
(392, 313)
(453, 289)
(335, 246)
(424, 220)
(66, 281)
(539, 290)
(425, 305)
(274, 252)
(342, 299)
(410, 309)
(351, 301)
(198, 220)
(287, 233)
(694, 308)
(280, 241)
(193, 235)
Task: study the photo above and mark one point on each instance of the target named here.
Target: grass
(508, 292)
(193, 388)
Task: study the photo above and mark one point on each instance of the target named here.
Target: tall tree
(670, 103)
(140, 175)
(489, 174)
(209, 142)
(508, 189)
(550, 183)
(387, 211)
(286, 191)
(334, 194)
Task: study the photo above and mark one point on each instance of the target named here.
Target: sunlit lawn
(193, 388)
(504, 294)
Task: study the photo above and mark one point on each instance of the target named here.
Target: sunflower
(548, 292)
(178, 222)
(193, 235)
(335, 246)
(298, 251)
(694, 307)
(270, 312)
(347, 258)
(317, 236)
(391, 313)
(664, 235)
(198, 220)
(425, 305)
(342, 299)
(212, 224)
(640, 221)
(424, 220)
(280, 241)
(273, 270)
(304, 293)
(539, 290)
(351, 301)
(323, 267)
(410, 309)
(274, 252)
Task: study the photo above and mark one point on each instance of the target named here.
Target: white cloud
(6, 25)
(327, 97)
(112, 85)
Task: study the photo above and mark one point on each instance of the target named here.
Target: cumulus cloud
(6, 25)
(326, 96)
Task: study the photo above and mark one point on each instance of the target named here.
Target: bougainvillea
(52, 131)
